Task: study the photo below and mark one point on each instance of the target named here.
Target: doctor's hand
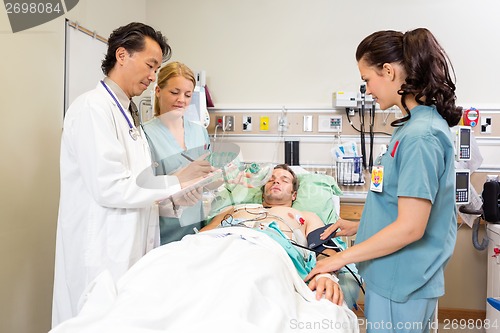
(343, 228)
(328, 288)
(189, 198)
(173, 207)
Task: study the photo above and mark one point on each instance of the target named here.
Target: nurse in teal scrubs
(407, 232)
(172, 137)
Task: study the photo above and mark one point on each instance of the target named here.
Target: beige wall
(296, 53)
(265, 53)
(465, 275)
(32, 71)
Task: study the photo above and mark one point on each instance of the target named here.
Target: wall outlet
(247, 123)
(219, 122)
(264, 123)
(225, 123)
(229, 126)
(486, 125)
(282, 124)
(308, 123)
(329, 123)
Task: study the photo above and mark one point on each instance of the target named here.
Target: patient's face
(279, 188)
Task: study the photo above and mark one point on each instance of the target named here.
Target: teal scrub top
(419, 163)
(167, 155)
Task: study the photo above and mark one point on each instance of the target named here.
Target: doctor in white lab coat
(108, 216)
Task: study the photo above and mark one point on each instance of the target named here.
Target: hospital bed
(222, 280)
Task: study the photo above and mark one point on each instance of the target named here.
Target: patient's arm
(313, 221)
(216, 220)
(323, 285)
(328, 287)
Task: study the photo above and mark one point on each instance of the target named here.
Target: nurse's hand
(329, 264)
(328, 288)
(343, 228)
(194, 171)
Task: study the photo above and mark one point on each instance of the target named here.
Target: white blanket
(224, 280)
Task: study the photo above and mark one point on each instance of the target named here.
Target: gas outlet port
(229, 123)
(225, 123)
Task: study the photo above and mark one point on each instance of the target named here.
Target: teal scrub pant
(350, 287)
(386, 316)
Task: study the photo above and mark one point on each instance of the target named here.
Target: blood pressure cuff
(317, 244)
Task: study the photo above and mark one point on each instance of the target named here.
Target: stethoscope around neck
(132, 130)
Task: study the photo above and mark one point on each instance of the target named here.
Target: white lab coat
(106, 220)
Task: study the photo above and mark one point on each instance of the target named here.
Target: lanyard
(132, 130)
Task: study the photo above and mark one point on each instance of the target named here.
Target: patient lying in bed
(316, 193)
(224, 280)
(277, 197)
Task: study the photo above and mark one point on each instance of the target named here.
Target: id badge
(377, 181)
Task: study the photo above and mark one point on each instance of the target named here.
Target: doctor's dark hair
(171, 70)
(426, 64)
(132, 38)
